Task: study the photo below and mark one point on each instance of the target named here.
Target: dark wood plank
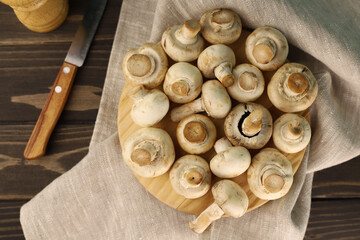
(10, 228)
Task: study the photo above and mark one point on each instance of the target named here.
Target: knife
(59, 92)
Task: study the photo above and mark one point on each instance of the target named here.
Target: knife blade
(55, 102)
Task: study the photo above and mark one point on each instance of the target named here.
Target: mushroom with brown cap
(270, 174)
(190, 176)
(196, 134)
(150, 106)
(214, 100)
(183, 43)
(292, 88)
(183, 82)
(146, 66)
(149, 152)
(220, 26)
(230, 161)
(229, 199)
(291, 133)
(217, 61)
(249, 83)
(266, 48)
(248, 125)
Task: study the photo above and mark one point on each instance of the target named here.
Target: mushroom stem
(180, 87)
(187, 34)
(222, 19)
(292, 130)
(272, 180)
(144, 152)
(192, 177)
(252, 124)
(224, 74)
(248, 81)
(210, 214)
(140, 65)
(185, 110)
(264, 50)
(195, 132)
(295, 84)
(138, 93)
(222, 144)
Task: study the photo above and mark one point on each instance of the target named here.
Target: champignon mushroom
(291, 133)
(229, 161)
(230, 199)
(292, 88)
(190, 176)
(149, 152)
(196, 134)
(248, 125)
(217, 61)
(183, 43)
(146, 66)
(266, 48)
(150, 106)
(214, 100)
(249, 83)
(220, 26)
(270, 174)
(183, 82)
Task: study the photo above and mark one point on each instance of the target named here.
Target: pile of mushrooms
(206, 85)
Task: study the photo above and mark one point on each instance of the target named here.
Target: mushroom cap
(150, 109)
(183, 51)
(234, 121)
(291, 133)
(293, 88)
(276, 38)
(249, 83)
(146, 66)
(190, 176)
(212, 57)
(230, 197)
(220, 26)
(163, 151)
(270, 174)
(196, 134)
(183, 82)
(215, 99)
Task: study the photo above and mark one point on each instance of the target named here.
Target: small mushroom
(196, 134)
(183, 43)
(266, 48)
(217, 61)
(220, 26)
(190, 176)
(293, 88)
(291, 133)
(183, 82)
(149, 152)
(150, 106)
(230, 199)
(270, 174)
(214, 100)
(248, 125)
(249, 83)
(229, 161)
(146, 66)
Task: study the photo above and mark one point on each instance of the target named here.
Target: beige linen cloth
(100, 198)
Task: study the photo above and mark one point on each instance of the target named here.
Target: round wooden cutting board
(160, 187)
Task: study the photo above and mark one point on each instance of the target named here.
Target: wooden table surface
(29, 63)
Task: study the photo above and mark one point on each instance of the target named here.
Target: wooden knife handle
(51, 112)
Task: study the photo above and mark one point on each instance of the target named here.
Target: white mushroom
(248, 125)
(183, 43)
(249, 83)
(217, 61)
(292, 88)
(291, 133)
(196, 134)
(230, 199)
(190, 176)
(270, 174)
(220, 26)
(150, 106)
(149, 152)
(183, 82)
(214, 100)
(266, 48)
(229, 161)
(146, 66)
